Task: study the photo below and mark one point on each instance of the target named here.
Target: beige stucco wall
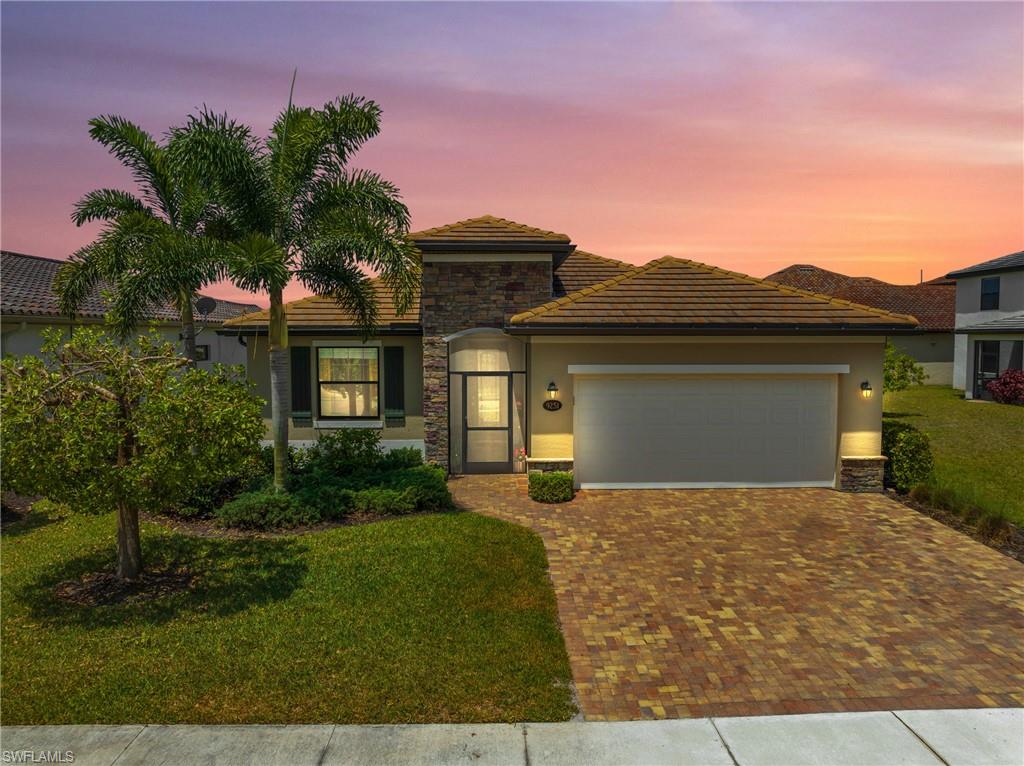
(20, 336)
(258, 366)
(860, 419)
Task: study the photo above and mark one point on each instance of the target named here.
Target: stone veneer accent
(461, 296)
(545, 466)
(861, 474)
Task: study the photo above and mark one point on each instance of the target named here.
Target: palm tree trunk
(188, 326)
(280, 386)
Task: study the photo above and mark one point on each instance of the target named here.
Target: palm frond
(362, 194)
(255, 262)
(350, 287)
(223, 155)
(351, 121)
(139, 152)
(78, 277)
(105, 205)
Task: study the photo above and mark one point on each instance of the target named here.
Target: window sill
(325, 424)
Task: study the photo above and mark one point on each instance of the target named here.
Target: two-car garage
(705, 426)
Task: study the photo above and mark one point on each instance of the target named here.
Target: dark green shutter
(302, 398)
(394, 380)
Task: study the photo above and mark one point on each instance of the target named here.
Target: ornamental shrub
(265, 510)
(909, 455)
(345, 451)
(403, 457)
(551, 487)
(1008, 388)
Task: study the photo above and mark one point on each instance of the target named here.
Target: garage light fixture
(552, 390)
(865, 390)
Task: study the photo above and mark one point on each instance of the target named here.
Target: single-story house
(671, 374)
(989, 322)
(29, 306)
(932, 303)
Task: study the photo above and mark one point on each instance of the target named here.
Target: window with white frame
(348, 382)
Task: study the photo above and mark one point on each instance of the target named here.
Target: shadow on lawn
(228, 576)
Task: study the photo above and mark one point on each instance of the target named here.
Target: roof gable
(487, 228)
(674, 293)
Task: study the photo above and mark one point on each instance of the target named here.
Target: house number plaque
(552, 405)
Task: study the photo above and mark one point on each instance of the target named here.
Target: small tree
(900, 371)
(102, 426)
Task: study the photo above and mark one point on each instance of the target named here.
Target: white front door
(705, 431)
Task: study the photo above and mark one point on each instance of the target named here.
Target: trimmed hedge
(344, 472)
(909, 454)
(551, 487)
(265, 510)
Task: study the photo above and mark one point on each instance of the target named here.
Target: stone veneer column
(861, 474)
(460, 296)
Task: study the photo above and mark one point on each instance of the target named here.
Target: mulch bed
(1010, 542)
(14, 507)
(105, 589)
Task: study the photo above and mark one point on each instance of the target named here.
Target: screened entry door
(487, 422)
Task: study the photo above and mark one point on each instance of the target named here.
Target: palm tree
(151, 249)
(297, 211)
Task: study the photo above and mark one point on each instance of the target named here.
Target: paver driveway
(680, 603)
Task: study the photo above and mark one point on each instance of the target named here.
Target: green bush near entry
(909, 455)
(551, 487)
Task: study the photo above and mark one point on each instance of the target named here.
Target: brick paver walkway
(678, 603)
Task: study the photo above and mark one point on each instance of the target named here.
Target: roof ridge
(522, 227)
(796, 290)
(613, 261)
(586, 291)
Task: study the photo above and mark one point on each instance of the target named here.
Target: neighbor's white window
(349, 382)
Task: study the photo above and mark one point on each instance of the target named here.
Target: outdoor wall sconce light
(865, 390)
(552, 404)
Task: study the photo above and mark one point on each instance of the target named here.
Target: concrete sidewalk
(994, 737)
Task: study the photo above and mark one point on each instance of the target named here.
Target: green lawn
(446, 617)
(978, 446)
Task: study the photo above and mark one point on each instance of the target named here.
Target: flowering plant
(521, 453)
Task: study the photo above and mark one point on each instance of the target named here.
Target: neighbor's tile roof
(677, 293)
(320, 311)
(1003, 263)
(581, 269)
(814, 278)
(931, 303)
(1014, 323)
(27, 290)
(487, 228)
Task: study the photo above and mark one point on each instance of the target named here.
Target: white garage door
(705, 432)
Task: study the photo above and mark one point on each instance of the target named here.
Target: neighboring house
(29, 306)
(989, 322)
(931, 303)
(673, 374)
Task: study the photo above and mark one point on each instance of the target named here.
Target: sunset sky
(870, 138)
